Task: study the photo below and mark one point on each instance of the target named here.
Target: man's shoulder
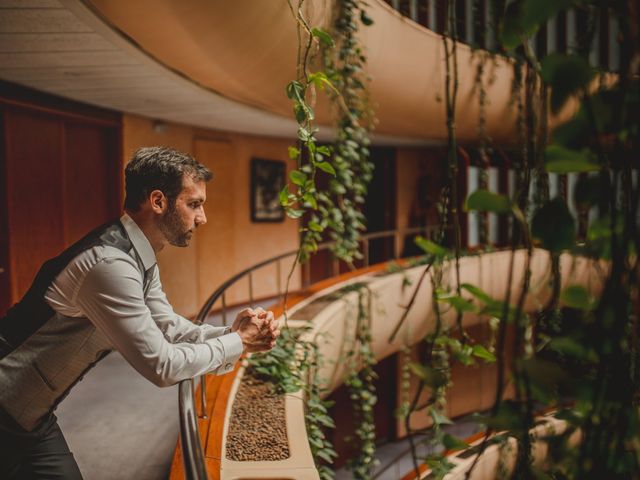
(102, 254)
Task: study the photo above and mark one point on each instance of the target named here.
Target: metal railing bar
(204, 311)
(192, 454)
(203, 396)
(224, 308)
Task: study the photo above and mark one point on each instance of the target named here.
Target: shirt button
(228, 366)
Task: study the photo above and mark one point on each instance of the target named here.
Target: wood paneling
(61, 177)
(34, 163)
(89, 178)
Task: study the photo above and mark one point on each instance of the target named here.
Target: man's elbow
(160, 377)
(162, 382)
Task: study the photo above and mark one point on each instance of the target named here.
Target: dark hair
(159, 168)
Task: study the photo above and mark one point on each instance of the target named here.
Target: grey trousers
(40, 454)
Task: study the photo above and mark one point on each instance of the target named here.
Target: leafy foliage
(335, 213)
(577, 346)
(362, 391)
(554, 226)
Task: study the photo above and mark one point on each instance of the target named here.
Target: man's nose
(201, 218)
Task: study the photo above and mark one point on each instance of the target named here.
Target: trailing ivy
(335, 213)
(360, 385)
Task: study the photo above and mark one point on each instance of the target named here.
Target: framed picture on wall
(267, 179)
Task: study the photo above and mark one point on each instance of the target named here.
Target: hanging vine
(595, 364)
(360, 385)
(334, 213)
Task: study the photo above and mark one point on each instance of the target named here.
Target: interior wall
(59, 169)
(230, 242)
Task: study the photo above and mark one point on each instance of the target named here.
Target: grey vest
(43, 354)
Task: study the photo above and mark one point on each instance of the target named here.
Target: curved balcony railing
(192, 452)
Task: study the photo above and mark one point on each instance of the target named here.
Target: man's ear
(159, 202)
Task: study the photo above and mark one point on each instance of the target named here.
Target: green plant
(293, 365)
(360, 384)
(577, 347)
(337, 211)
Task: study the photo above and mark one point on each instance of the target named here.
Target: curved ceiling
(246, 50)
(223, 65)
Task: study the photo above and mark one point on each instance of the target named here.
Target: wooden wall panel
(61, 175)
(34, 173)
(89, 181)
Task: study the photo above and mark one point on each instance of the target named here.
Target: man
(104, 293)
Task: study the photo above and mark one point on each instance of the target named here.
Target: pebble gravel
(258, 430)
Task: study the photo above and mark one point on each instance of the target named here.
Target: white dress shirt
(106, 286)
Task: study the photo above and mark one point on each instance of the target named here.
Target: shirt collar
(140, 242)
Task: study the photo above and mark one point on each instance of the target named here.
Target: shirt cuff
(233, 348)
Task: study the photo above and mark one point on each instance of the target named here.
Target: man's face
(186, 214)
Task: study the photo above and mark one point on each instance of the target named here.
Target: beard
(175, 231)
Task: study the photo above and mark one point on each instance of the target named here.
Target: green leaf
(430, 376)
(365, 19)
(453, 443)
(293, 153)
(486, 201)
(324, 150)
(304, 134)
(323, 36)
(576, 296)
(562, 160)
(524, 17)
(294, 213)
(297, 177)
(302, 112)
(315, 226)
(325, 420)
(320, 80)
(295, 91)
(481, 352)
(515, 28)
(459, 303)
(430, 247)
(311, 200)
(554, 226)
(478, 293)
(326, 167)
(567, 75)
(284, 196)
(439, 418)
(324, 456)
